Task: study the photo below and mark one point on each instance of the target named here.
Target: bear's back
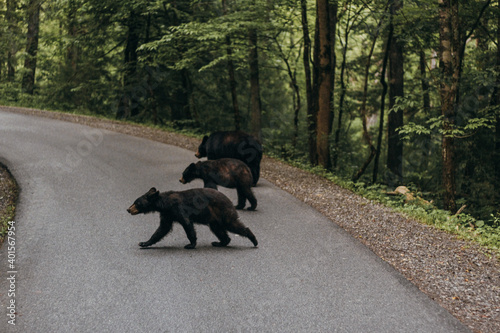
(196, 197)
(232, 144)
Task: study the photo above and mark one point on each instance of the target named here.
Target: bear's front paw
(144, 244)
(190, 246)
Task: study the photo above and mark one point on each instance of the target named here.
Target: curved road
(78, 267)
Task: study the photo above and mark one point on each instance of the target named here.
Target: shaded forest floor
(461, 276)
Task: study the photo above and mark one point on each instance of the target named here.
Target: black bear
(202, 205)
(227, 172)
(233, 144)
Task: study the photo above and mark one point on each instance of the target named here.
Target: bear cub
(233, 144)
(226, 172)
(203, 206)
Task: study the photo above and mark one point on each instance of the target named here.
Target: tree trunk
(366, 133)
(256, 108)
(193, 112)
(128, 104)
(180, 98)
(296, 92)
(232, 85)
(12, 27)
(452, 50)
(495, 100)
(150, 84)
(311, 114)
(232, 80)
(496, 160)
(396, 89)
(72, 49)
(324, 81)
(449, 65)
(343, 91)
(33, 18)
(425, 84)
(382, 103)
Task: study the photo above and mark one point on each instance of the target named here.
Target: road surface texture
(78, 267)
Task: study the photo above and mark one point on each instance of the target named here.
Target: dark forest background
(386, 92)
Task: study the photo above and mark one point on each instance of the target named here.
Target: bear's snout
(133, 210)
(182, 180)
(197, 154)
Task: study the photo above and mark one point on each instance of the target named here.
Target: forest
(380, 93)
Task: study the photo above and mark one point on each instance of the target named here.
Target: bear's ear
(205, 138)
(152, 192)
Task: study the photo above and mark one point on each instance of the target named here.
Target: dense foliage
(412, 95)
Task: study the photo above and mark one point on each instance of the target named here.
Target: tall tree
(232, 85)
(363, 111)
(452, 43)
(396, 89)
(351, 22)
(10, 16)
(450, 68)
(324, 79)
(33, 19)
(382, 103)
(72, 27)
(256, 106)
(343, 91)
(292, 74)
(232, 79)
(129, 107)
(496, 102)
(311, 113)
(426, 99)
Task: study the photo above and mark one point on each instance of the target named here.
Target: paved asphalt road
(78, 267)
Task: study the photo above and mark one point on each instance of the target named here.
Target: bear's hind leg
(255, 169)
(251, 236)
(238, 228)
(241, 198)
(221, 235)
(247, 191)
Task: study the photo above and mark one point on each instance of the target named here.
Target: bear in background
(203, 206)
(226, 172)
(233, 144)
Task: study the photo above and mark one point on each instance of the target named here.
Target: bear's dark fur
(227, 172)
(203, 206)
(233, 144)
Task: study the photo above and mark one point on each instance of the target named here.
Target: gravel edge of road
(461, 276)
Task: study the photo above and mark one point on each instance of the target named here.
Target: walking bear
(234, 144)
(227, 172)
(202, 205)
